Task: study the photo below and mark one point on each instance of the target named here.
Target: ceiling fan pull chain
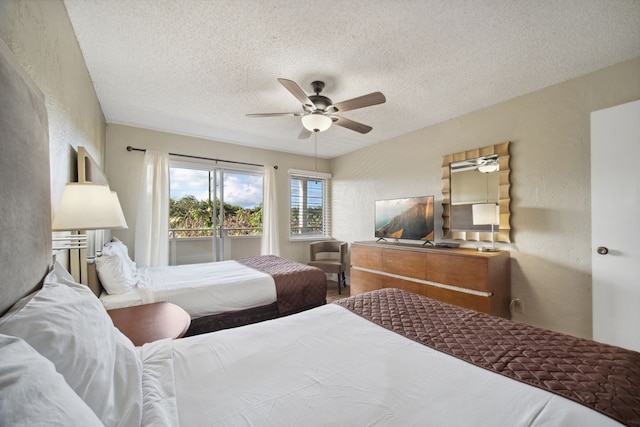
(315, 151)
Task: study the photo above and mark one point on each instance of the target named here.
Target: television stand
(477, 280)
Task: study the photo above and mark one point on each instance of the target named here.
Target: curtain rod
(130, 148)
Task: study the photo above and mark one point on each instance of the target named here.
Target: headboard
(93, 281)
(25, 211)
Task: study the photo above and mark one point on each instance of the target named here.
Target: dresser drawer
(405, 263)
(364, 281)
(366, 257)
(461, 271)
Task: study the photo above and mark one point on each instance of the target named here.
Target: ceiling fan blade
(350, 124)
(275, 114)
(359, 102)
(304, 133)
(295, 90)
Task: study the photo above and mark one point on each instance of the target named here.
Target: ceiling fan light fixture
(487, 168)
(316, 122)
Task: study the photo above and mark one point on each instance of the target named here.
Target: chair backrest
(327, 246)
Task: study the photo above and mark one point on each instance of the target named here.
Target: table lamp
(88, 207)
(486, 213)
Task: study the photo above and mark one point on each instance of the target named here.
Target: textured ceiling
(197, 67)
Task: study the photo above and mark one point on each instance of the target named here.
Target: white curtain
(270, 245)
(152, 222)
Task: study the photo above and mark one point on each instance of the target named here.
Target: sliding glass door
(211, 211)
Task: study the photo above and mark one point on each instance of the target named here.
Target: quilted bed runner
(298, 286)
(603, 377)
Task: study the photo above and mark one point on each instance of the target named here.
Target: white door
(615, 224)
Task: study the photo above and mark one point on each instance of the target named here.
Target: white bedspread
(329, 367)
(200, 289)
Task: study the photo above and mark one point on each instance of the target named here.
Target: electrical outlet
(518, 305)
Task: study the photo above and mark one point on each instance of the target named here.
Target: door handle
(602, 250)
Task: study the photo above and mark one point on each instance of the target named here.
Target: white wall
(123, 171)
(550, 186)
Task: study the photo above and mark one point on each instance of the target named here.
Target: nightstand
(151, 322)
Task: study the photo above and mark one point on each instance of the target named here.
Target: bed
(217, 295)
(387, 357)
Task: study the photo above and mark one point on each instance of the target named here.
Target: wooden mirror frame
(503, 233)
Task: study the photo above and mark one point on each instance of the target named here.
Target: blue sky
(239, 189)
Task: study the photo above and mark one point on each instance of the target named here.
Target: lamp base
(487, 249)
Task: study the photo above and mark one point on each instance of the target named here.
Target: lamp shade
(116, 204)
(485, 213)
(88, 207)
(316, 122)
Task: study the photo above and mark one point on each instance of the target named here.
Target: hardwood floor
(332, 291)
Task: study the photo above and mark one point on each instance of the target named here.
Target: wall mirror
(476, 176)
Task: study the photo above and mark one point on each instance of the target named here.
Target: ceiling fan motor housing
(317, 86)
(321, 102)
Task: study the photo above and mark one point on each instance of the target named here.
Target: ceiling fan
(319, 112)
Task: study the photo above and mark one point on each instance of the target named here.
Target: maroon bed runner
(603, 377)
(298, 286)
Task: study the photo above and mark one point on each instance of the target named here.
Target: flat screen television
(410, 218)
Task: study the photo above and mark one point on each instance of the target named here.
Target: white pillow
(117, 272)
(32, 393)
(67, 324)
(122, 249)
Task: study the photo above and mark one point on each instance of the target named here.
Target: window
(309, 204)
(204, 198)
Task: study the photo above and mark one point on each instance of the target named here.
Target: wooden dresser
(465, 277)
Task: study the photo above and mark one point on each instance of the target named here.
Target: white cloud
(243, 190)
(239, 189)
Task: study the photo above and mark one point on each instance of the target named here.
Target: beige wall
(550, 191)
(124, 167)
(40, 35)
